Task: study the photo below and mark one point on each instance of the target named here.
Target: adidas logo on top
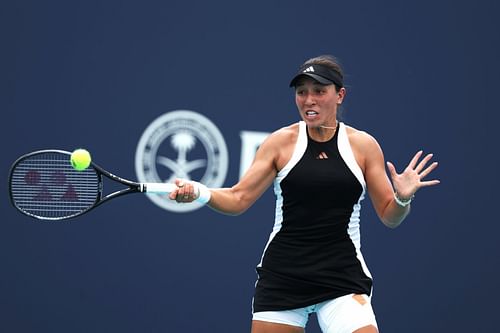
(308, 69)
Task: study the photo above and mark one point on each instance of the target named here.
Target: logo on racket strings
(181, 144)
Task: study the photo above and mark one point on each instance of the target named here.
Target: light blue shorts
(341, 315)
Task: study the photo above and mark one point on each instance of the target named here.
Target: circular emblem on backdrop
(181, 144)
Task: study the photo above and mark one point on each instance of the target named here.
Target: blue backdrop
(96, 74)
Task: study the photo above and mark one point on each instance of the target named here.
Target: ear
(341, 94)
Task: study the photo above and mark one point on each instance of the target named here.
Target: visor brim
(316, 77)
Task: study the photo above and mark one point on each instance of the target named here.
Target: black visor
(320, 73)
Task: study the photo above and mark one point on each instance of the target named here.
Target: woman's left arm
(391, 200)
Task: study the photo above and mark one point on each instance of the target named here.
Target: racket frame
(132, 187)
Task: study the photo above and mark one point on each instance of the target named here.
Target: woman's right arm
(238, 198)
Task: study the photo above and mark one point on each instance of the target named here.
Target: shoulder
(361, 140)
(365, 147)
(283, 136)
(287, 132)
(278, 146)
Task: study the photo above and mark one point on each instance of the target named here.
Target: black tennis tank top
(313, 253)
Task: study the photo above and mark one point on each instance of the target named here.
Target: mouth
(311, 114)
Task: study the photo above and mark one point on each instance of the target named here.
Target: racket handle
(158, 187)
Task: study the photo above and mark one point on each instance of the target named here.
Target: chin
(312, 123)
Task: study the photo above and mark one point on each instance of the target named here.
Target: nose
(310, 100)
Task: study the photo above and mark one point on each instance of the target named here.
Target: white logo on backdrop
(181, 144)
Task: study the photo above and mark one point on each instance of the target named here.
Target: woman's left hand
(410, 180)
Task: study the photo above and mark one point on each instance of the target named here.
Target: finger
(185, 193)
(180, 198)
(415, 159)
(172, 195)
(179, 182)
(430, 182)
(392, 169)
(423, 162)
(188, 191)
(428, 170)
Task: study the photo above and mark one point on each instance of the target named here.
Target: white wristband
(402, 203)
(202, 192)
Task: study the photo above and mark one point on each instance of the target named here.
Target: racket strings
(46, 185)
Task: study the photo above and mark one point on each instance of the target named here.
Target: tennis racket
(44, 185)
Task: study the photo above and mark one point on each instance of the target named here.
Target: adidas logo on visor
(308, 69)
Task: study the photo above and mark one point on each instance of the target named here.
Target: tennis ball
(80, 159)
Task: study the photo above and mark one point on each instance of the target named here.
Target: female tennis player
(321, 170)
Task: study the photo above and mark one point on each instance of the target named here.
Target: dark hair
(328, 61)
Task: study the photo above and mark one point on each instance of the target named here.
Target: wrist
(203, 194)
(402, 202)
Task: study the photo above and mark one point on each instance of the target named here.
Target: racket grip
(158, 187)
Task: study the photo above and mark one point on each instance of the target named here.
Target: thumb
(179, 183)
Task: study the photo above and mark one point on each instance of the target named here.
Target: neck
(323, 133)
(328, 127)
(334, 127)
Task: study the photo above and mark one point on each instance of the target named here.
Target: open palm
(411, 179)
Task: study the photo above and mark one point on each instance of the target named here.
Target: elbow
(391, 224)
(393, 221)
(236, 213)
(390, 220)
(392, 216)
(232, 212)
(240, 207)
(243, 202)
(234, 204)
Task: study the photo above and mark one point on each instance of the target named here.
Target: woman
(321, 170)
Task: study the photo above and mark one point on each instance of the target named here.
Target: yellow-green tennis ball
(80, 159)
